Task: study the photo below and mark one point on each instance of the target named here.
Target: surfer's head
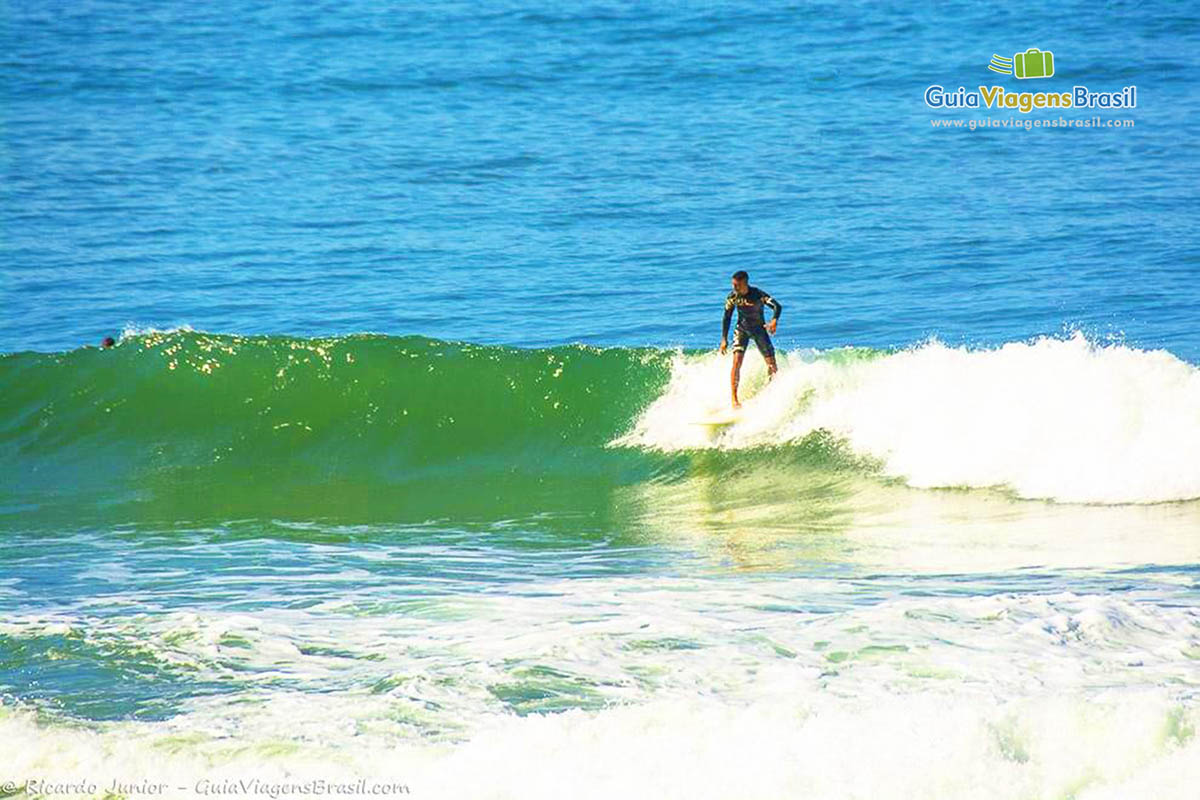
(741, 281)
(108, 342)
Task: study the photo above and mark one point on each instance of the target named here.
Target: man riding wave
(749, 301)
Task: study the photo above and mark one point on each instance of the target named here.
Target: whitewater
(1061, 419)
(758, 687)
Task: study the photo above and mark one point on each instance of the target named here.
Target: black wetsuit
(750, 320)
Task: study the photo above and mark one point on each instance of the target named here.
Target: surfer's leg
(763, 341)
(735, 374)
(740, 340)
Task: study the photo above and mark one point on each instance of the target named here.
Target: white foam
(1066, 420)
(132, 331)
(1087, 696)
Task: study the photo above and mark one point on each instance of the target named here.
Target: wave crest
(1060, 419)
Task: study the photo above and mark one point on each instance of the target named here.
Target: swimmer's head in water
(108, 341)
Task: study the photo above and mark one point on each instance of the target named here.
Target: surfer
(749, 301)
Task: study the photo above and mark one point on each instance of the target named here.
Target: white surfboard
(716, 420)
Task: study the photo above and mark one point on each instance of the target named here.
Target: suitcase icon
(1033, 63)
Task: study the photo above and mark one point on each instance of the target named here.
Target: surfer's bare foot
(736, 404)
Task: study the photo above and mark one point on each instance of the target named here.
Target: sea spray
(1061, 419)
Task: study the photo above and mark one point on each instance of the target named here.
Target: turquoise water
(393, 476)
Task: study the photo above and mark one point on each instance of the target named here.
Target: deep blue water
(533, 175)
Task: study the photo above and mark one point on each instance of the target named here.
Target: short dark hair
(741, 275)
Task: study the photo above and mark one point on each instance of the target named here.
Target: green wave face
(192, 426)
(183, 427)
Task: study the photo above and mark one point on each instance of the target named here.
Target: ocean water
(391, 482)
